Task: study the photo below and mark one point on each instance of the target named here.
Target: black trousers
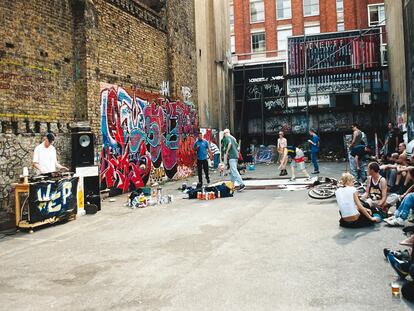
(202, 165)
(361, 222)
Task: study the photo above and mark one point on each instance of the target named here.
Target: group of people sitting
(391, 202)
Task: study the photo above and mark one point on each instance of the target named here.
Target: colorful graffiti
(144, 133)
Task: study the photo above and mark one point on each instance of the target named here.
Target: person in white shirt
(216, 154)
(44, 156)
(353, 214)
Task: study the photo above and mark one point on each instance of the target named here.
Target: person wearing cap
(232, 154)
(44, 156)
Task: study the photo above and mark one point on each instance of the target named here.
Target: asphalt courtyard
(260, 250)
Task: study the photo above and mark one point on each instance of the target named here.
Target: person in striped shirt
(216, 154)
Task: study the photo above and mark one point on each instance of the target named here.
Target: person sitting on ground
(402, 213)
(249, 155)
(402, 149)
(389, 170)
(297, 157)
(376, 194)
(353, 214)
(401, 172)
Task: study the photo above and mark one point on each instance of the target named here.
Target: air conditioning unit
(365, 99)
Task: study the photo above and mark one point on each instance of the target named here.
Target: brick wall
(355, 12)
(55, 53)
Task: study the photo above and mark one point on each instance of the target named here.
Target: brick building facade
(54, 55)
(321, 16)
(270, 96)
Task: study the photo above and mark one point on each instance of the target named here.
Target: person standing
(232, 154)
(282, 151)
(203, 150)
(314, 146)
(356, 141)
(216, 154)
(297, 161)
(44, 156)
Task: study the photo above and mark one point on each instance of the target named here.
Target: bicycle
(325, 189)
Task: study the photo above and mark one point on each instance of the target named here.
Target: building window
(310, 7)
(384, 54)
(231, 18)
(310, 30)
(257, 13)
(340, 11)
(376, 15)
(232, 45)
(282, 40)
(341, 27)
(258, 42)
(283, 8)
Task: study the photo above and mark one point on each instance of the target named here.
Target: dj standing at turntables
(44, 157)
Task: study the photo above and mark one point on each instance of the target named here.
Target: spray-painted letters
(142, 132)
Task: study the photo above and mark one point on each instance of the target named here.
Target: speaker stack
(83, 156)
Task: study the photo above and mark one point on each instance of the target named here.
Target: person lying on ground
(297, 157)
(353, 214)
(376, 194)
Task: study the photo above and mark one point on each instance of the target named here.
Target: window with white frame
(314, 29)
(257, 13)
(376, 15)
(310, 7)
(282, 41)
(231, 17)
(258, 42)
(340, 27)
(283, 9)
(340, 11)
(232, 45)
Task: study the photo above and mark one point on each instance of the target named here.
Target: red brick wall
(355, 12)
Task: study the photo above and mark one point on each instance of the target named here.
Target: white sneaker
(389, 219)
(292, 179)
(396, 222)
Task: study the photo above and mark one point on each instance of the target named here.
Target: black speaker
(82, 149)
(92, 191)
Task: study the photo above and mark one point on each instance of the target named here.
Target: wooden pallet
(24, 224)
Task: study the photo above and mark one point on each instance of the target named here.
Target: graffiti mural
(144, 135)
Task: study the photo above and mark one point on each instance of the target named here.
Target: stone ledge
(140, 12)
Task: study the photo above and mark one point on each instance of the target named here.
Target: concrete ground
(261, 250)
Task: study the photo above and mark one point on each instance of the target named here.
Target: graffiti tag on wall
(142, 132)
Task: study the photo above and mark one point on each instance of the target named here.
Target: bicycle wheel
(322, 192)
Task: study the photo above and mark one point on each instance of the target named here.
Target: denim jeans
(406, 205)
(216, 160)
(360, 174)
(235, 176)
(314, 156)
(391, 176)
